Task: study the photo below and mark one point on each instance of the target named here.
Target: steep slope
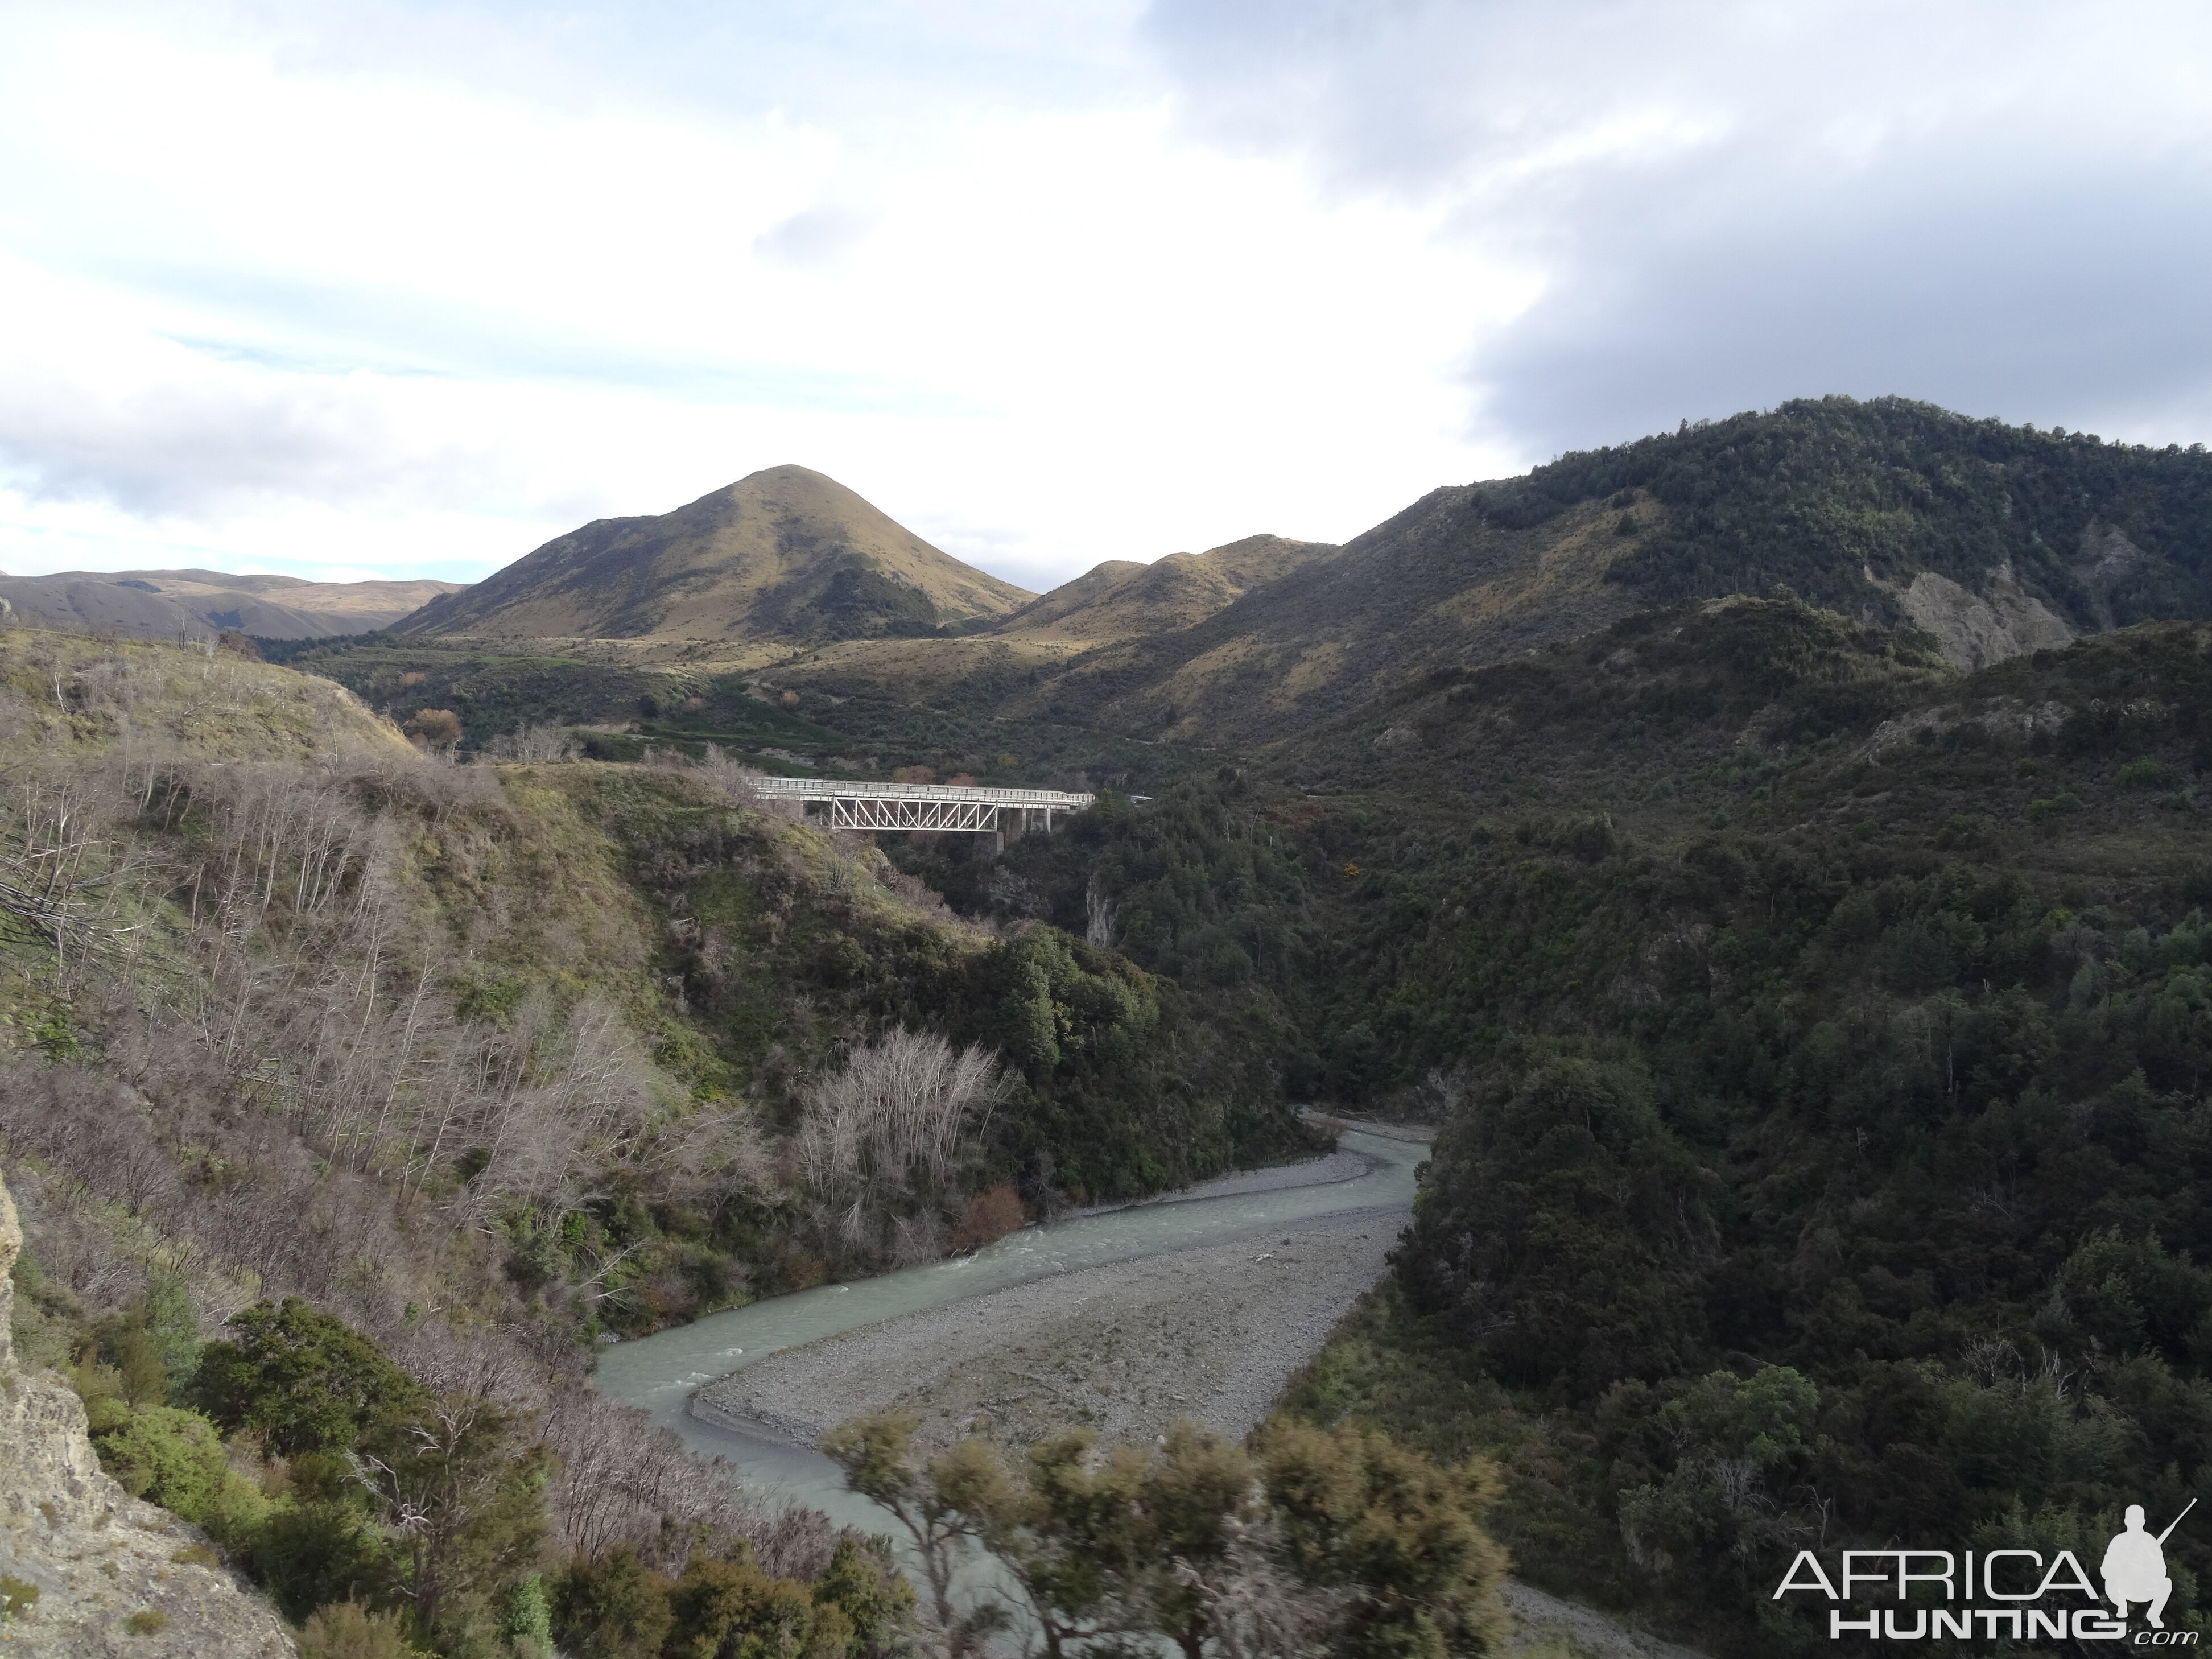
(1821, 1036)
(62, 695)
(185, 604)
(1123, 600)
(155, 1589)
(783, 555)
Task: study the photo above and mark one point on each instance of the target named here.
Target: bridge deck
(822, 789)
(947, 807)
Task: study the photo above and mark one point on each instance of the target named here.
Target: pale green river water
(661, 1372)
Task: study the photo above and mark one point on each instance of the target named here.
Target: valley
(1767, 858)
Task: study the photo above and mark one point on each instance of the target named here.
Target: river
(661, 1372)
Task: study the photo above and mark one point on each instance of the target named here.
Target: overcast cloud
(402, 288)
(2001, 208)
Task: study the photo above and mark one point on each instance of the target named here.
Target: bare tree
(533, 744)
(889, 1133)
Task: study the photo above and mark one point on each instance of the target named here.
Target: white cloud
(409, 288)
(2001, 208)
(334, 308)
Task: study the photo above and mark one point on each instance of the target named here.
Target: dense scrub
(1824, 498)
(388, 1506)
(1824, 1148)
(1820, 1040)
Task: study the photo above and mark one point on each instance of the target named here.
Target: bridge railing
(820, 789)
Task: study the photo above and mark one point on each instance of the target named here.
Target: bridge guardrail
(841, 789)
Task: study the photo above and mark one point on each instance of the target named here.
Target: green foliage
(874, 1600)
(45, 1319)
(348, 1630)
(1573, 1217)
(457, 1489)
(1381, 1551)
(171, 1457)
(317, 1545)
(723, 1606)
(527, 1621)
(1125, 1084)
(17, 1597)
(1885, 1097)
(148, 1622)
(154, 1344)
(1359, 1513)
(615, 1608)
(306, 1380)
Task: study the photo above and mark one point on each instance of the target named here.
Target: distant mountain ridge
(786, 554)
(172, 605)
(1992, 540)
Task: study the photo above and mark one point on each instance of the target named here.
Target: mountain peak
(785, 553)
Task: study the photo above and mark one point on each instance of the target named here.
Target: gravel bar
(1210, 1333)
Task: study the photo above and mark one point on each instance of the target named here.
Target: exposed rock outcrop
(2106, 559)
(114, 1576)
(1976, 629)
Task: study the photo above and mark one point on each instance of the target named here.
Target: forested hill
(1841, 503)
(1993, 539)
(1820, 1038)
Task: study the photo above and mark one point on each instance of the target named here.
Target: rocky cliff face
(1977, 629)
(113, 1576)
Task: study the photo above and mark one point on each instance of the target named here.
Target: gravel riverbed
(1209, 1334)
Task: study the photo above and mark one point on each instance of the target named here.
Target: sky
(379, 288)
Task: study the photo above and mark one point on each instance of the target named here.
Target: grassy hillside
(1122, 601)
(784, 555)
(1994, 540)
(257, 833)
(495, 1062)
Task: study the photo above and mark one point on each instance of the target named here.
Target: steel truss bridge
(1004, 813)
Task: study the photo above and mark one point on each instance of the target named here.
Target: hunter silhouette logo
(2135, 1567)
(2014, 1595)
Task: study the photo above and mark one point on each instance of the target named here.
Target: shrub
(167, 1456)
(616, 1608)
(309, 1380)
(350, 1630)
(2146, 773)
(991, 1214)
(150, 1622)
(436, 728)
(17, 1597)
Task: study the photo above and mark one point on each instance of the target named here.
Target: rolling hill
(784, 555)
(1122, 599)
(1994, 540)
(175, 604)
(1990, 540)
